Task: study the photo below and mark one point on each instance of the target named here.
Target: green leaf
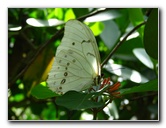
(110, 33)
(42, 92)
(151, 34)
(97, 28)
(58, 12)
(75, 101)
(123, 21)
(103, 16)
(126, 48)
(80, 11)
(137, 17)
(126, 73)
(43, 23)
(149, 86)
(141, 54)
(69, 15)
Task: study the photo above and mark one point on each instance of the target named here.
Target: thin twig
(118, 45)
(45, 44)
(28, 41)
(109, 101)
(95, 113)
(93, 13)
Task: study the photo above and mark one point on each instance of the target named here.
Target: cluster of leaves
(33, 37)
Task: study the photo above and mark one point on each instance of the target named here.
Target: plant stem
(54, 37)
(120, 42)
(95, 114)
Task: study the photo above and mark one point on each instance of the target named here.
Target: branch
(93, 13)
(34, 57)
(118, 45)
(48, 42)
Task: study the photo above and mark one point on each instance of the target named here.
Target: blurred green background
(35, 33)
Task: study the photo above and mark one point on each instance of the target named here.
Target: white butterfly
(77, 60)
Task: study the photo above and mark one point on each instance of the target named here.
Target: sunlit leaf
(69, 15)
(37, 13)
(110, 33)
(126, 73)
(43, 23)
(103, 16)
(143, 57)
(14, 27)
(58, 12)
(111, 110)
(42, 92)
(97, 28)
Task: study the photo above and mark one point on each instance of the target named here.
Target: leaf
(125, 50)
(149, 86)
(126, 73)
(141, 54)
(112, 110)
(75, 101)
(58, 13)
(43, 23)
(80, 11)
(97, 28)
(110, 33)
(151, 34)
(39, 68)
(136, 17)
(123, 21)
(103, 16)
(42, 92)
(69, 14)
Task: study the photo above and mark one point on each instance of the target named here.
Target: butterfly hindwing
(68, 71)
(77, 60)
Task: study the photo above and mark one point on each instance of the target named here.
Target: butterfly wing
(77, 60)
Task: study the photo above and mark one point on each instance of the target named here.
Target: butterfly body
(77, 60)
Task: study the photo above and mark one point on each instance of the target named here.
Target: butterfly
(77, 60)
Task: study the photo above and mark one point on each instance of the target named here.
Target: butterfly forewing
(77, 60)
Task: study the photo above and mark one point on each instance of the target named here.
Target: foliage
(128, 45)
